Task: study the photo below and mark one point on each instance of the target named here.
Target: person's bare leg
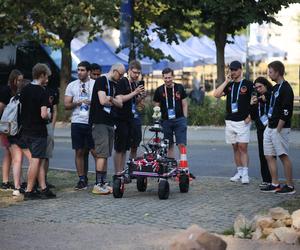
(243, 152)
(236, 155)
(171, 153)
(133, 153)
(273, 168)
(17, 157)
(6, 162)
(79, 161)
(119, 160)
(33, 171)
(288, 170)
(42, 176)
(101, 164)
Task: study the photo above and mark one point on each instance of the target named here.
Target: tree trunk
(220, 41)
(65, 75)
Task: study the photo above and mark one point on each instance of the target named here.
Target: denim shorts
(81, 135)
(177, 126)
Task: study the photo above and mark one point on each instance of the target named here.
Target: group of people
(37, 111)
(106, 115)
(271, 107)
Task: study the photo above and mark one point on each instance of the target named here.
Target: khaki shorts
(237, 132)
(103, 136)
(50, 141)
(275, 143)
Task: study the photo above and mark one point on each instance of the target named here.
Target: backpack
(9, 120)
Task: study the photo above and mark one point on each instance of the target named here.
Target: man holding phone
(237, 131)
(127, 134)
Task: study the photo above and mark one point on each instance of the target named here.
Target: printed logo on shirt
(243, 90)
(285, 112)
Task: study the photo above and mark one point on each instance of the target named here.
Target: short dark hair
(167, 71)
(265, 82)
(134, 65)
(277, 66)
(85, 64)
(95, 66)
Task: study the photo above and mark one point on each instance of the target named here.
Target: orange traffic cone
(183, 159)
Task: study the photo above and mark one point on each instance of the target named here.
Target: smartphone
(141, 83)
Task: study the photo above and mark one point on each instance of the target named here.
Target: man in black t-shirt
(104, 98)
(171, 98)
(276, 135)
(237, 131)
(125, 133)
(34, 117)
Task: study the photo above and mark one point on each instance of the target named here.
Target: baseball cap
(235, 65)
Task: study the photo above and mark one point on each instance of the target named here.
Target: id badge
(107, 109)
(84, 110)
(133, 109)
(234, 107)
(270, 112)
(171, 114)
(264, 120)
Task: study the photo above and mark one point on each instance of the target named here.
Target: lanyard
(274, 96)
(238, 92)
(167, 103)
(108, 86)
(259, 110)
(86, 88)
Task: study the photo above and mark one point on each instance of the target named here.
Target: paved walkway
(212, 203)
(81, 220)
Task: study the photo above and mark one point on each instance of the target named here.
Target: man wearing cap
(237, 131)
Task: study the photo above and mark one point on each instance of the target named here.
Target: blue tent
(99, 52)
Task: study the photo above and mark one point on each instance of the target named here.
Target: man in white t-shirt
(78, 98)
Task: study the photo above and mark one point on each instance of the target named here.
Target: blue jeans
(177, 126)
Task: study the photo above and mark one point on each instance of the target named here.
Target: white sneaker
(101, 189)
(236, 177)
(16, 192)
(245, 179)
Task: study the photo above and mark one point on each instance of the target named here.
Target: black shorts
(122, 136)
(81, 135)
(136, 133)
(36, 145)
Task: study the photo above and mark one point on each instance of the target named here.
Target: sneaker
(16, 192)
(263, 184)
(102, 189)
(270, 188)
(24, 185)
(236, 177)
(245, 179)
(47, 194)
(109, 187)
(31, 195)
(286, 190)
(81, 185)
(7, 186)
